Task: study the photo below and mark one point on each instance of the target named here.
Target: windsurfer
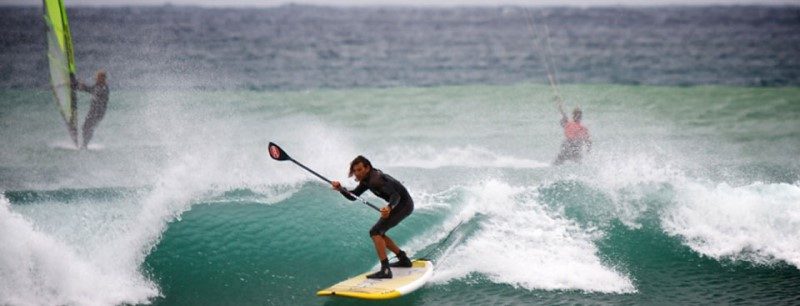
(97, 110)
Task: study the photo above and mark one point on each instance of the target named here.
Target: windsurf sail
(62, 63)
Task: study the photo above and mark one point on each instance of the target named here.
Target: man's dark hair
(359, 160)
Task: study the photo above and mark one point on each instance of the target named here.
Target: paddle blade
(276, 152)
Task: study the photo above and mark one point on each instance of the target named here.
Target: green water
(688, 196)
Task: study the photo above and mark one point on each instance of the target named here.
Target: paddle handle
(365, 202)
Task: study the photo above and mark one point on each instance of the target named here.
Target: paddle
(278, 154)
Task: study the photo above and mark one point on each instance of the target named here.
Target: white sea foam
(470, 156)
(521, 243)
(757, 222)
(37, 268)
(627, 179)
(90, 253)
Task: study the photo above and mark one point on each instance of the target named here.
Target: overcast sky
(267, 3)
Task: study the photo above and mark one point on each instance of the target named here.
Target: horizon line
(334, 4)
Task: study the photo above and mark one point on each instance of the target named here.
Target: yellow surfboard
(405, 281)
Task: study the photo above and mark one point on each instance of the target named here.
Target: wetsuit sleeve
(358, 191)
(564, 121)
(394, 200)
(394, 196)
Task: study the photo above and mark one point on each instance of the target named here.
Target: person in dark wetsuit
(577, 137)
(97, 110)
(399, 206)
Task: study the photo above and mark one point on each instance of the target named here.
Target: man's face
(100, 77)
(360, 171)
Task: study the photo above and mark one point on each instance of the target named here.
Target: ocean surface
(691, 194)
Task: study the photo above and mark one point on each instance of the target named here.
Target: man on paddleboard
(577, 137)
(399, 206)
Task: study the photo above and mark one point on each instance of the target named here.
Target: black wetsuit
(96, 111)
(392, 191)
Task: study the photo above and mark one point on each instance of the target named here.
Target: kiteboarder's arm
(564, 119)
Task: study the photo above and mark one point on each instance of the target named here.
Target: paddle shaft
(329, 182)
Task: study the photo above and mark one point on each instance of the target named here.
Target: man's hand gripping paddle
(278, 154)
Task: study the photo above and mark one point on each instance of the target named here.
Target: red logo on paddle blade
(274, 152)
